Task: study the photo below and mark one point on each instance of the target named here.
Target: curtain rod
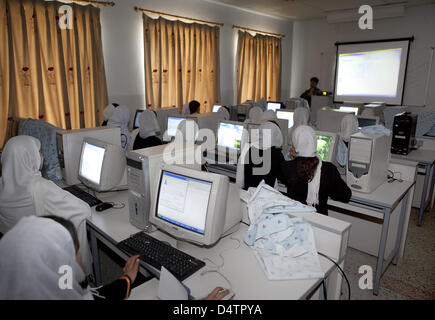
(278, 35)
(180, 17)
(104, 3)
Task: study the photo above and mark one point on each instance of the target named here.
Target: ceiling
(308, 9)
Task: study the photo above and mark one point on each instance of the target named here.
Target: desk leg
(381, 252)
(431, 188)
(424, 194)
(400, 230)
(95, 258)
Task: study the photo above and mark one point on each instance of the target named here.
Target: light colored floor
(414, 275)
(412, 278)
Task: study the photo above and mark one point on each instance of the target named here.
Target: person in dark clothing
(262, 154)
(149, 130)
(312, 91)
(194, 106)
(308, 179)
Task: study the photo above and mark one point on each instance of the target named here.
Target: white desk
(241, 267)
(380, 204)
(426, 159)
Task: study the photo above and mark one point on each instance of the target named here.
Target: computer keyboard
(157, 254)
(83, 195)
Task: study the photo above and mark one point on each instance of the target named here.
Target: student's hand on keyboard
(217, 294)
(131, 267)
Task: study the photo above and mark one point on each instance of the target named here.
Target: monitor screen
(273, 106)
(286, 116)
(136, 118)
(173, 123)
(230, 135)
(323, 146)
(216, 107)
(183, 201)
(349, 109)
(91, 162)
(365, 122)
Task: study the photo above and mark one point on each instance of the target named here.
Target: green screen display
(323, 146)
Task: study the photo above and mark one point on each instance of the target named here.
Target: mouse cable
(341, 271)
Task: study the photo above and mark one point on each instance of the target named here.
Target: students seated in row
(349, 126)
(149, 130)
(24, 192)
(265, 154)
(190, 108)
(34, 253)
(120, 118)
(308, 179)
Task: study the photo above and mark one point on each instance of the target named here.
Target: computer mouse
(229, 295)
(103, 206)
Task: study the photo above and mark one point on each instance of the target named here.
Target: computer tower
(69, 146)
(367, 161)
(143, 167)
(404, 126)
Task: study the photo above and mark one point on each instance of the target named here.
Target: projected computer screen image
(216, 107)
(323, 146)
(273, 106)
(349, 109)
(373, 71)
(183, 201)
(230, 135)
(91, 162)
(173, 123)
(286, 116)
(136, 118)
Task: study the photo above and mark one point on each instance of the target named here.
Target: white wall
(122, 33)
(314, 50)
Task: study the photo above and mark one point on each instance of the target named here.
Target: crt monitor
(102, 165)
(349, 109)
(136, 118)
(190, 205)
(286, 115)
(229, 135)
(216, 107)
(326, 145)
(365, 121)
(172, 125)
(273, 105)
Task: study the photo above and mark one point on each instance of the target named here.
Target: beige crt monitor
(195, 206)
(69, 146)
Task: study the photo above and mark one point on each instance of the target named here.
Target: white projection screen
(371, 71)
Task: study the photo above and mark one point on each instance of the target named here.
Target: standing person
(308, 179)
(312, 91)
(24, 192)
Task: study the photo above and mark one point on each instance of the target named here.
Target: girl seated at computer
(149, 130)
(24, 192)
(262, 158)
(190, 108)
(308, 179)
(120, 118)
(349, 126)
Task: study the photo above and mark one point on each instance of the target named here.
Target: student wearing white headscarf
(255, 113)
(300, 118)
(309, 179)
(149, 130)
(24, 192)
(349, 126)
(120, 118)
(224, 113)
(36, 256)
(268, 114)
(107, 112)
(264, 151)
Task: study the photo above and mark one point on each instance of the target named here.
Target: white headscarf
(268, 114)
(255, 113)
(300, 117)
(108, 111)
(148, 124)
(32, 254)
(186, 109)
(223, 112)
(305, 142)
(187, 131)
(20, 164)
(349, 125)
(120, 118)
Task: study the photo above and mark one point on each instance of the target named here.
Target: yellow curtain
(181, 63)
(57, 73)
(258, 67)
